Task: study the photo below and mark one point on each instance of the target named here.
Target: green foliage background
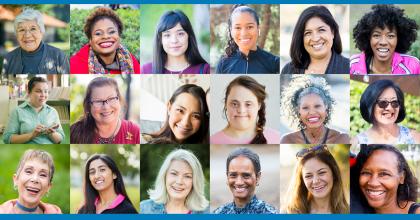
(10, 155)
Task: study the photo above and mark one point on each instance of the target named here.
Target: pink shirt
(401, 64)
(129, 133)
(272, 136)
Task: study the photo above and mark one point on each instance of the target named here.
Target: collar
(26, 104)
(117, 201)
(252, 53)
(247, 206)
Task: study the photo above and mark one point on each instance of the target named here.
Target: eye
(91, 172)
(306, 33)
(197, 116)
(318, 106)
(383, 174)
(375, 35)
(322, 173)
(166, 35)
(112, 32)
(250, 27)
(308, 176)
(181, 34)
(237, 28)
(246, 175)
(43, 175)
(322, 30)
(232, 175)
(179, 110)
(188, 176)
(365, 173)
(391, 36)
(102, 170)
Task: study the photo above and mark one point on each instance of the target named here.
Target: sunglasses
(385, 103)
(306, 151)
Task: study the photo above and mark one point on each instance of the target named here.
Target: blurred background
(197, 14)
(10, 155)
(269, 29)
(268, 188)
(127, 158)
(129, 15)
(56, 20)
(289, 16)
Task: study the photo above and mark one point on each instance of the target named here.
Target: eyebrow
(111, 96)
(322, 26)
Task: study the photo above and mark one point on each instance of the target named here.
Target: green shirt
(24, 119)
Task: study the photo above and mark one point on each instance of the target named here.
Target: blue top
(151, 207)
(255, 206)
(24, 119)
(404, 137)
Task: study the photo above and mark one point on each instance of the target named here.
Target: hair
(383, 16)
(299, 198)
(301, 86)
(41, 155)
(201, 136)
(169, 20)
(33, 81)
(232, 47)
(83, 131)
(196, 199)
(371, 95)
(102, 13)
(30, 14)
(405, 192)
(245, 152)
(300, 57)
(259, 91)
(90, 192)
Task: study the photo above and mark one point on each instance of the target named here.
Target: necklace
(109, 140)
(324, 140)
(178, 72)
(24, 208)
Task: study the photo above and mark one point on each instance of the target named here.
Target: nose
(315, 179)
(239, 180)
(373, 181)
(241, 108)
(173, 38)
(186, 120)
(179, 180)
(315, 36)
(383, 40)
(34, 178)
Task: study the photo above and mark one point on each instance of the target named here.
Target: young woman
(245, 112)
(175, 48)
(242, 55)
(34, 122)
(179, 187)
(104, 190)
(317, 186)
(187, 120)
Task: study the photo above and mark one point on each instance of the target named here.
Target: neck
(392, 207)
(246, 51)
(27, 204)
(176, 206)
(315, 135)
(386, 130)
(235, 133)
(321, 205)
(242, 202)
(109, 129)
(36, 108)
(381, 66)
(319, 65)
(178, 63)
(108, 58)
(106, 196)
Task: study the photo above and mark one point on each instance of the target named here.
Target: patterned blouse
(404, 138)
(255, 206)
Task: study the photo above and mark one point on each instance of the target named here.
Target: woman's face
(184, 116)
(318, 178)
(379, 179)
(318, 38)
(241, 178)
(29, 35)
(242, 108)
(100, 175)
(244, 31)
(312, 111)
(105, 105)
(32, 182)
(383, 43)
(387, 115)
(105, 38)
(175, 41)
(179, 180)
(39, 94)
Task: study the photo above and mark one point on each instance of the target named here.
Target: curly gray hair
(30, 14)
(299, 87)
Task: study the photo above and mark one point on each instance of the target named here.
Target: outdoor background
(127, 158)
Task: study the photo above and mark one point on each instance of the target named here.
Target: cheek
(196, 124)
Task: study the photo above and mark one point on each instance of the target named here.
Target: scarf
(122, 57)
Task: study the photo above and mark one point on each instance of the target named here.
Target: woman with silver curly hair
(307, 101)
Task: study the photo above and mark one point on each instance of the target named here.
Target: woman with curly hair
(242, 53)
(384, 35)
(308, 102)
(104, 52)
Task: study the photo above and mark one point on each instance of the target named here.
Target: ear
(258, 177)
(168, 108)
(15, 178)
(114, 176)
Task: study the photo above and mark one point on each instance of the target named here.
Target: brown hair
(100, 14)
(33, 81)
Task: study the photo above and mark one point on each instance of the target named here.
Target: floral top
(404, 138)
(255, 206)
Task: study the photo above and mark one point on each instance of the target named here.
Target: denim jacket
(151, 207)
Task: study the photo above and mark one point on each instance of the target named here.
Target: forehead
(313, 165)
(386, 29)
(104, 23)
(28, 23)
(382, 160)
(315, 22)
(180, 166)
(241, 164)
(241, 93)
(103, 92)
(177, 27)
(243, 18)
(36, 163)
(97, 163)
(388, 93)
(311, 98)
(40, 85)
(187, 101)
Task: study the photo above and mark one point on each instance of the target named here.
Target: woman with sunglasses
(317, 186)
(382, 105)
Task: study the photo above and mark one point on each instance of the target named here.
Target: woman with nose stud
(104, 52)
(243, 172)
(382, 105)
(242, 55)
(33, 121)
(179, 187)
(32, 180)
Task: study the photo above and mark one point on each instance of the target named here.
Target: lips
(106, 44)
(382, 52)
(374, 194)
(98, 182)
(182, 129)
(177, 189)
(240, 189)
(33, 190)
(388, 115)
(319, 189)
(318, 46)
(314, 119)
(106, 114)
(245, 41)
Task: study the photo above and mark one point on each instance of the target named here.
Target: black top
(337, 65)
(324, 140)
(31, 60)
(413, 208)
(257, 61)
(123, 208)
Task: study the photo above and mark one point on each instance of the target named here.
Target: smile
(240, 189)
(388, 115)
(106, 114)
(245, 41)
(177, 189)
(374, 193)
(318, 46)
(106, 44)
(33, 190)
(319, 188)
(382, 52)
(183, 129)
(313, 119)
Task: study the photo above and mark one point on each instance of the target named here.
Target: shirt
(272, 136)
(24, 119)
(151, 207)
(255, 206)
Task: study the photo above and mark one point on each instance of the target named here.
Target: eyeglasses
(385, 103)
(32, 31)
(100, 103)
(306, 151)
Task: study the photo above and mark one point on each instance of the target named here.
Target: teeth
(106, 113)
(32, 189)
(317, 46)
(240, 189)
(383, 50)
(99, 181)
(313, 119)
(106, 44)
(375, 193)
(319, 187)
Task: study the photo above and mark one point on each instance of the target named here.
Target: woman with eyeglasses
(317, 186)
(382, 105)
(101, 122)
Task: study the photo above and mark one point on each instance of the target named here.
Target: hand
(37, 131)
(51, 129)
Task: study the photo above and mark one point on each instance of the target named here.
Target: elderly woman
(33, 121)
(33, 56)
(104, 52)
(179, 187)
(32, 180)
(384, 35)
(101, 122)
(308, 102)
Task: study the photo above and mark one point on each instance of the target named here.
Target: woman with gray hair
(179, 187)
(308, 102)
(33, 56)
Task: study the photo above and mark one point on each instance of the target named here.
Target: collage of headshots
(209, 109)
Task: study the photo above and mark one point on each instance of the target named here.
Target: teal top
(24, 119)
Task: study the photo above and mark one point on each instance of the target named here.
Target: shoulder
(13, 53)
(130, 125)
(219, 138)
(263, 207)
(206, 68)
(151, 207)
(337, 137)
(79, 61)
(7, 207)
(288, 69)
(50, 208)
(224, 209)
(54, 50)
(269, 55)
(357, 64)
(272, 135)
(126, 207)
(205, 211)
(416, 136)
(342, 60)
(290, 138)
(410, 62)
